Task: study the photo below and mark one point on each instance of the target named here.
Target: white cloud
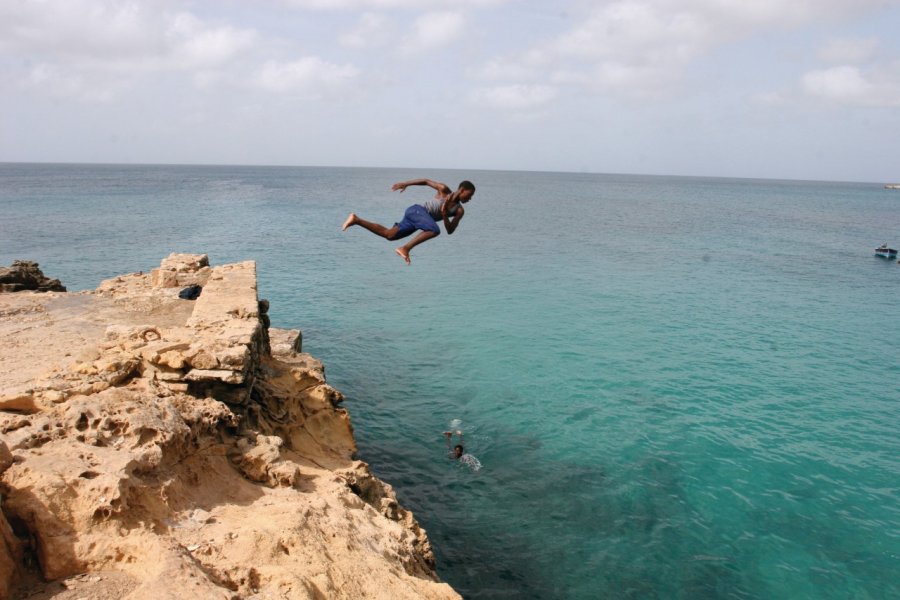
(629, 46)
(95, 50)
(308, 74)
(514, 97)
(117, 34)
(849, 85)
(78, 27)
(61, 83)
(738, 16)
(433, 30)
(850, 50)
(838, 83)
(194, 43)
(636, 32)
(635, 46)
(388, 4)
(640, 47)
(372, 31)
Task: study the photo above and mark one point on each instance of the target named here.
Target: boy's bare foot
(403, 254)
(351, 220)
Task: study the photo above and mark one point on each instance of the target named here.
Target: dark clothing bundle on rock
(191, 292)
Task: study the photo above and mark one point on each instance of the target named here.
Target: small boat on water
(884, 251)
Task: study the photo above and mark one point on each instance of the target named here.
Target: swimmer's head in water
(457, 451)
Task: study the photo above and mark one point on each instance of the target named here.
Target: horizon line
(566, 172)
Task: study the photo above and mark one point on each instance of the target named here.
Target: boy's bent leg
(423, 236)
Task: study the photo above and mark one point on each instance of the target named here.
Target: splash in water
(470, 461)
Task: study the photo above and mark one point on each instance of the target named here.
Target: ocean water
(676, 387)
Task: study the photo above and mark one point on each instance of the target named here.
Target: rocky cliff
(156, 447)
(25, 275)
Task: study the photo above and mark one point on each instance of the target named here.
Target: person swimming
(457, 452)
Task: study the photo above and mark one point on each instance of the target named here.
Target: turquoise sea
(677, 387)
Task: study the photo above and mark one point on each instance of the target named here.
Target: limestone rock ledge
(154, 447)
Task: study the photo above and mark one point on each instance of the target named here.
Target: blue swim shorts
(416, 217)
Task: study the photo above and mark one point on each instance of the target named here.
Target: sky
(785, 89)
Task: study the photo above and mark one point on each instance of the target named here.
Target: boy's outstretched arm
(441, 187)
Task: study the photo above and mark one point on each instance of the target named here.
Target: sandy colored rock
(128, 471)
(10, 548)
(181, 270)
(286, 341)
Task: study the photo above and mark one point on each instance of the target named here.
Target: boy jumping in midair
(446, 206)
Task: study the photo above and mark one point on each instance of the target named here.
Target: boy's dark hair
(467, 185)
(458, 446)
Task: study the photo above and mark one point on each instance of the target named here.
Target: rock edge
(188, 449)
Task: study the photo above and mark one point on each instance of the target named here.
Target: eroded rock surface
(155, 447)
(25, 275)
